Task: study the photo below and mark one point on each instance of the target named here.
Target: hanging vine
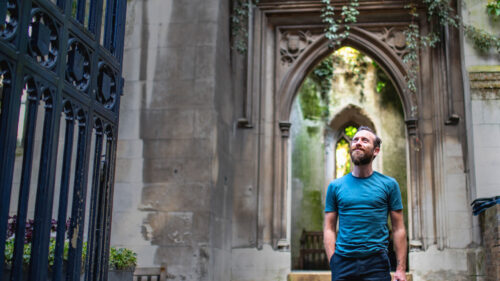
(349, 14)
(493, 9)
(239, 24)
(338, 28)
(439, 10)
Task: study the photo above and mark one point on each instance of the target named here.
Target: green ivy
(349, 15)
(411, 57)
(350, 131)
(380, 86)
(493, 9)
(483, 40)
(239, 24)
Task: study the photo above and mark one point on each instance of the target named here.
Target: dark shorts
(372, 268)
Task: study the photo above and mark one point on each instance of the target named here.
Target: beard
(362, 158)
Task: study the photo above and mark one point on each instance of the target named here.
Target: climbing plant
(349, 14)
(338, 28)
(315, 91)
(440, 11)
(241, 12)
(493, 9)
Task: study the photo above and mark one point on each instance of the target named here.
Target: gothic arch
(351, 114)
(366, 42)
(286, 42)
(359, 39)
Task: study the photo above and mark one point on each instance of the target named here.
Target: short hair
(378, 141)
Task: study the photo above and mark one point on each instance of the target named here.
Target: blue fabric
(371, 268)
(481, 204)
(363, 205)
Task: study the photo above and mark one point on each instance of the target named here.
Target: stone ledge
(485, 85)
(322, 276)
(484, 68)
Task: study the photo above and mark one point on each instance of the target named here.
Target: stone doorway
(345, 90)
(286, 43)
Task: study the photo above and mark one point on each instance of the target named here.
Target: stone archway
(286, 42)
(363, 41)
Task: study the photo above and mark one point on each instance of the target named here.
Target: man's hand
(399, 236)
(399, 275)
(330, 233)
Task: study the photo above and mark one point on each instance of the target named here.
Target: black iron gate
(60, 86)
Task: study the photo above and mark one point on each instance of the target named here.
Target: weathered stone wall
(490, 230)
(482, 103)
(485, 102)
(182, 162)
(482, 107)
(173, 192)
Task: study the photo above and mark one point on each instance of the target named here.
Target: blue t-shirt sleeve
(331, 199)
(395, 202)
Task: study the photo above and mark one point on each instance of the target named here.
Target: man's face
(363, 148)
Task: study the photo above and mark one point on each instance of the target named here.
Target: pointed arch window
(342, 156)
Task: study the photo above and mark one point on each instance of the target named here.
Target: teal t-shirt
(363, 205)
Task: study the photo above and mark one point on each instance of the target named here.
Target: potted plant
(122, 262)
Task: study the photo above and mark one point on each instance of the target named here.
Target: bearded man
(362, 201)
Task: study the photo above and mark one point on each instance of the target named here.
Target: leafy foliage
(411, 58)
(443, 10)
(239, 24)
(350, 131)
(440, 10)
(311, 104)
(349, 14)
(493, 9)
(122, 258)
(483, 41)
(118, 259)
(315, 92)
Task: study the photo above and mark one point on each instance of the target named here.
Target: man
(362, 200)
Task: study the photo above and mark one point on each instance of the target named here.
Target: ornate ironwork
(44, 39)
(107, 86)
(42, 77)
(9, 17)
(78, 65)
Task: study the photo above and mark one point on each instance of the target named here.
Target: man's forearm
(329, 238)
(400, 243)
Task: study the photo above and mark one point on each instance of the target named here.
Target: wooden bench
(312, 254)
(150, 274)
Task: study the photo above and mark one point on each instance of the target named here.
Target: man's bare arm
(399, 235)
(330, 233)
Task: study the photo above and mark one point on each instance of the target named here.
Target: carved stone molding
(485, 85)
(394, 37)
(285, 129)
(411, 125)
(292, 44)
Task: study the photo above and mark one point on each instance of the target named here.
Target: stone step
(320, 276)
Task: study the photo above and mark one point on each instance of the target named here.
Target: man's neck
(362, 171)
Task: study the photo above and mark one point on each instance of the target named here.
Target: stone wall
(173, 201)
(485, 101)
(490, 230)
(195, 193)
